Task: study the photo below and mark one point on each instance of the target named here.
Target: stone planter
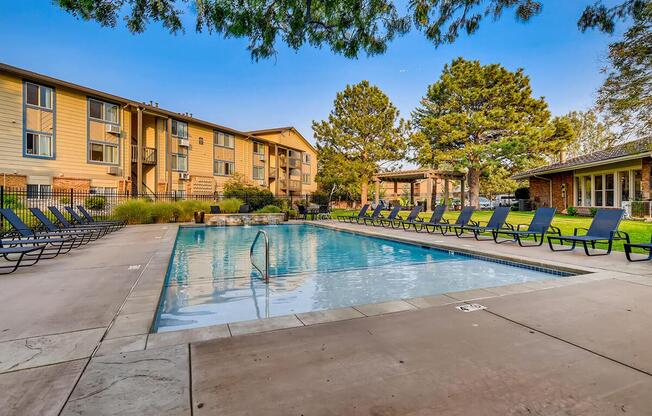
(244, 219)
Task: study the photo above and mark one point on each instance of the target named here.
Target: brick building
(609, 178)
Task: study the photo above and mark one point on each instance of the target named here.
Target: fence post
(72, 195)
(2, 196)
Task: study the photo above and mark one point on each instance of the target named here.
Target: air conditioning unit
(113, 129)
(114, 170)
(184, 176)
(184, 142)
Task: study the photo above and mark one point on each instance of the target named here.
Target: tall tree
(348, 27)
(590, 134)
(481, 117)
(363, 134)
(626, 95)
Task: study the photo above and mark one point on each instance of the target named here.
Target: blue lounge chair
(78, 221)
(90, 220)
(399, 222)
(540, 225)
(23, 236)
(646, 247)
(463, 219)
(67, 225)
(603, 230)
(35, 253)
(83, 235)
(497, 221)
(349, 218)
(436, 219)
(391, 217)
(374, 215)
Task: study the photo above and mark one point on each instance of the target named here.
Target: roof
(23, 73)
(626, 151)
(416, 174)
(281, 130)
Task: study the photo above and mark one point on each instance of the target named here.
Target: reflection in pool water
(211, 279)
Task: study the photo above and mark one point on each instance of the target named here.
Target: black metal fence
(102, 205)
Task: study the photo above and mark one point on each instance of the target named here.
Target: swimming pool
(211, 279)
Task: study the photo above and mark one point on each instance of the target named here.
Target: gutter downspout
(550, 182)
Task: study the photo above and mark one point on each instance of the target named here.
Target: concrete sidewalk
(74, 340)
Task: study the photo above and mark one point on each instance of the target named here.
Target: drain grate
(471, 308)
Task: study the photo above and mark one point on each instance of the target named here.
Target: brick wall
(540, 190)
(13, 181)
(646, 170)
(65, 184)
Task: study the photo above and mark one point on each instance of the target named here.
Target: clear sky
(215, 78)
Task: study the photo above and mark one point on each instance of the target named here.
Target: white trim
(583, 166)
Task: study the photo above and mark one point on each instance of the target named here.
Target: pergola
(429, 175)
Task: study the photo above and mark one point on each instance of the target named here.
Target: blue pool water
(211, 279)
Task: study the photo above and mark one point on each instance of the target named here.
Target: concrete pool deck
(74, 340)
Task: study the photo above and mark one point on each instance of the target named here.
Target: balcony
(293, 187)
(149, 155)
(272, 172)
(295, 163)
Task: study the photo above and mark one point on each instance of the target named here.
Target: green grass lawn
(638, 231)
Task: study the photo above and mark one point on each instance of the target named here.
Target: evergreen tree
(363, 134)
(482, 117)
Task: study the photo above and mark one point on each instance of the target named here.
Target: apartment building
(56, 135)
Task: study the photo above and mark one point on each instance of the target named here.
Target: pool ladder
(251, 255)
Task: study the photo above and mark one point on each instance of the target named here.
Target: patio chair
(399, 222)
(349, 218)
(436, 218)
(83, 235)
(215, 209)
(244, 209)
(497, 221)
(374, 215)
(463, 219)
(603, 230)
(55, 243)
(21, 252)
(302, 212)
(83, 222)
(393, 214)
(646, 247)
(67, 225)
(540, 225)
(90, 220)
(324, 213)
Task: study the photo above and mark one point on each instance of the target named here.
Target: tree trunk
(364, 185)
(474, 187)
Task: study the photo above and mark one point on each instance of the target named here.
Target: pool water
(211, 280)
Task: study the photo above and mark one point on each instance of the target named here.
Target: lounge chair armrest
(578, 229)
(508, 225)
(518, 226)
(445, 221)
(555, 230)
(398, 217)
(621, 235)
(474, 223)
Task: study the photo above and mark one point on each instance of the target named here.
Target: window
(259, 148)
(638, 185)
(179, 162)
(578, 191)
(223, 168)
(305, 178)
(306, 158)
(100, 110)
(623, 179)
(609, 189)
(38, 114)
(599, 196)
(105, 153)
(38, 96)
(224, 139)
(38, 144)
(587, 191)
(259, 172)
(103, 190)
(35, 191)
(179, 129)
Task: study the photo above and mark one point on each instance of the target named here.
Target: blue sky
(215, 78)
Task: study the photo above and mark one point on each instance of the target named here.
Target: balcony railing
(149, 155)
(272, 172)
(295, 163)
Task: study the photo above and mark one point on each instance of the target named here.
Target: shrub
(95, 202)
(186, 209)
(162, 212)
(572, 211)
(230, 205)
(522, 193)
(282, 203)
(320, 198)
(64, 200)
(11, 201)
(269, 209)
(253, 195)
(134, 211)
(593, 211)
(292, 213)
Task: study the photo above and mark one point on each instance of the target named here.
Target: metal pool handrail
(251, 255)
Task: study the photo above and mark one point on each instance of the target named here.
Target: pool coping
(156, 272)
